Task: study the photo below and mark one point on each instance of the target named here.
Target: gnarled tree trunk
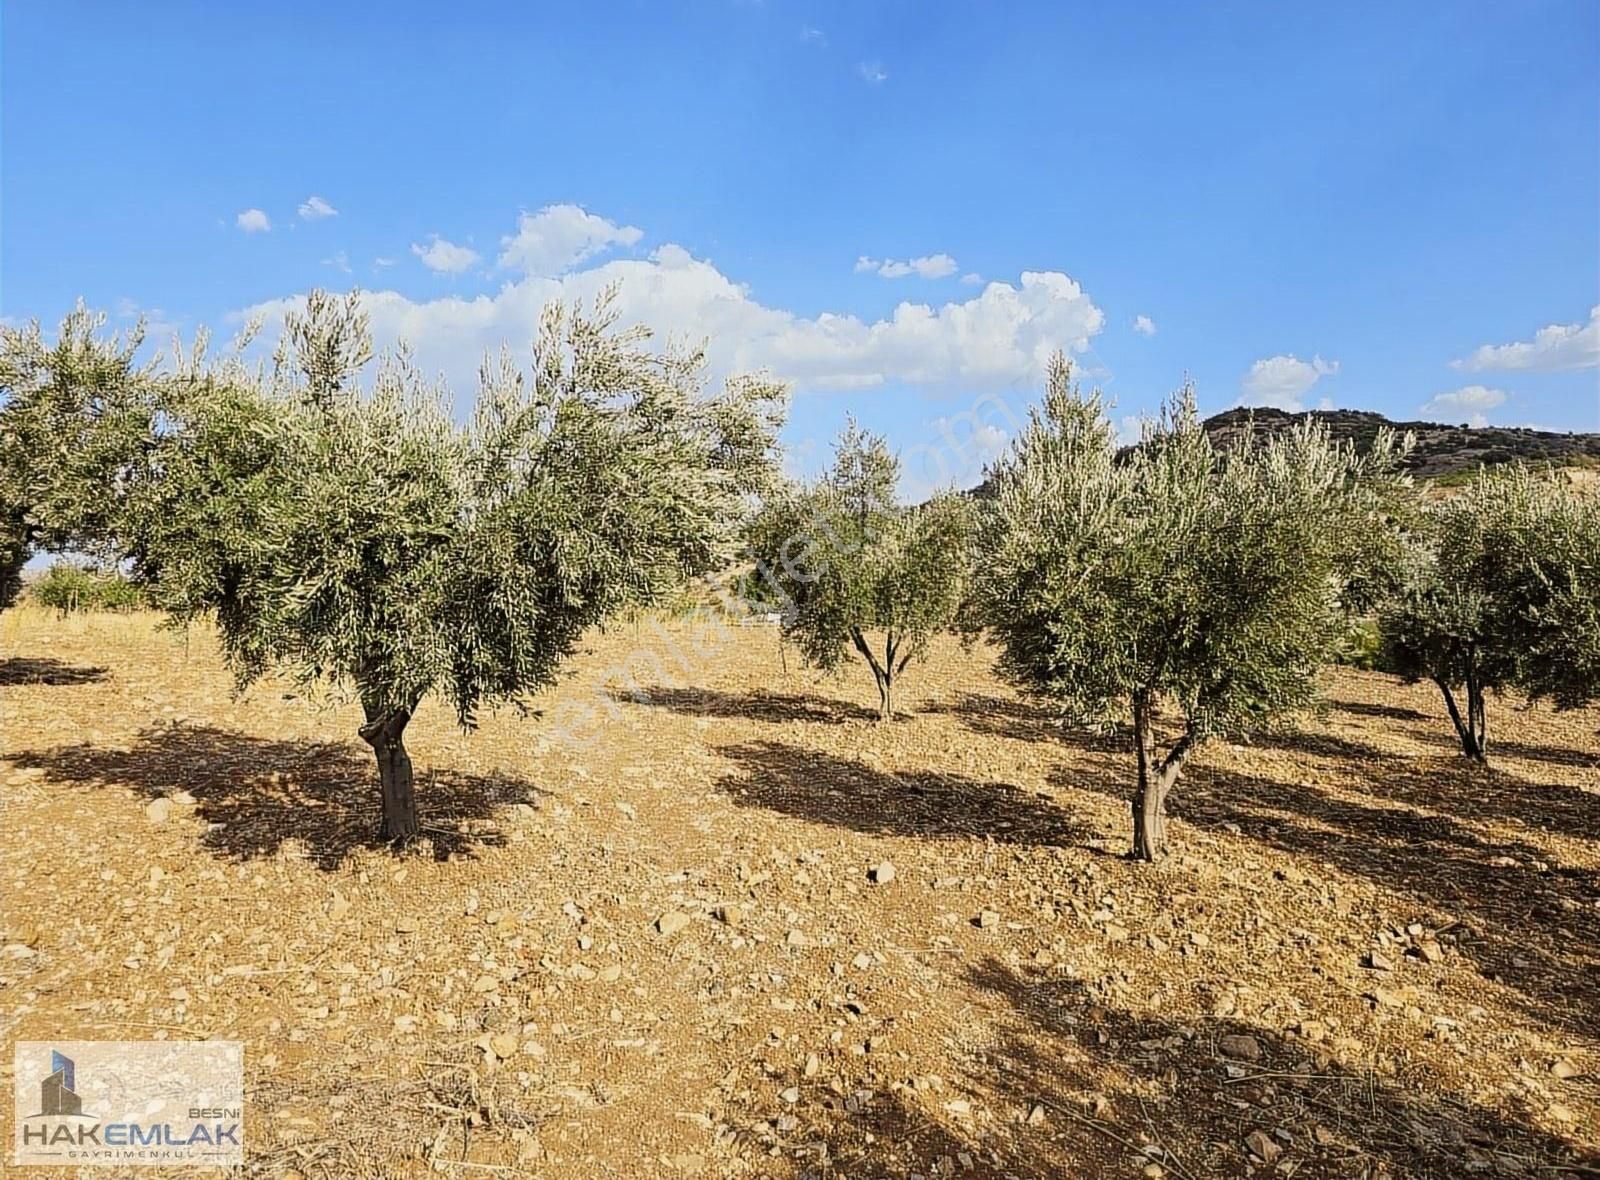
(385, 733)
(1156, 779)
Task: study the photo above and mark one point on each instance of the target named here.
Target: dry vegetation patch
(666, 953)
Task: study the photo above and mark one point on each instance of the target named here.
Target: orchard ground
(663, 954)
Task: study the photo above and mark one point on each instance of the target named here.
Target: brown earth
(500, 1001)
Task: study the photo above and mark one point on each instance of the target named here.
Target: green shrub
(68, 588)
(1361, 647)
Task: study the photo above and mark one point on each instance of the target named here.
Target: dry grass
(834, 1027)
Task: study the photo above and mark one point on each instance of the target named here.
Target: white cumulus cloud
(1469, 404)
(558, 237)
(445, 258)
(1144, 325)
(872, 71)
(1553, 349)
(315, 209)
(997, 340)
(929, 266)
(253, 221)
(1282, 381)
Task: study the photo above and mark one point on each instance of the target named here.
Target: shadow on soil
(756, 705)
(1012, 717)
(24, 670)
(1531, 924)
(1384, 712)
(1117, 1091)
(258, 794)
(824, 788)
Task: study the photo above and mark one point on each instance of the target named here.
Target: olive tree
(1173, 575)
(1501, 591)
(853, 570)
(74, 413)
(365, 537)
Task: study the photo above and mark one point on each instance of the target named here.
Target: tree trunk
(1148, 825)
(882, 673)
(1471, 729)
(385, 733)
(1478, 718)
(1156, 779)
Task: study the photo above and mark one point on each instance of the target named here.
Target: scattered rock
(730, 914)
(1379, 962)
(881, 873)
(1564, 1069)
(671, 922)
(986, 920)
(1240, 1047)
(1430, 951)
(1036, 1116)
(1262, 1147)
(406, 925)
(791, 1095)
(158, 811)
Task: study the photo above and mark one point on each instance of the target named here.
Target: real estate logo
(122, 1103)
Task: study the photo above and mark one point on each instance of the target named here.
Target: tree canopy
(1211, 582)
(364, 537)
(854, 571)
(1501, 590)
(75, 413)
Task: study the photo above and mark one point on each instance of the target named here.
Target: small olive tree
(74, 414)
(1210, 582)
(852, 570)
(366, 538)
(1501, 590)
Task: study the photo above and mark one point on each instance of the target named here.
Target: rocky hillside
(1441, 450)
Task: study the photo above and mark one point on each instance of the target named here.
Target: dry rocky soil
(743, 930)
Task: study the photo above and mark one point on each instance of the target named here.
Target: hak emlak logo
(166, 1103)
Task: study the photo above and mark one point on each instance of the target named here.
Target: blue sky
(900, 206)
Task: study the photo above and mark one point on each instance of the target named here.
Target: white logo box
(129, 1103)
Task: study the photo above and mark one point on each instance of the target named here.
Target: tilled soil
(663, 952)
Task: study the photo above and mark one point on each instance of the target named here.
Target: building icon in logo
(57, 1093)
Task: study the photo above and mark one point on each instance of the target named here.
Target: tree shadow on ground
(824, 788)
(1014, 717)
(1533, 925)
(1310, 742)
(1556, 755)
(1369, 709)
(257, 794)
(19, 670)
(1111, 1091)
(1166, 1083)
(757, 705)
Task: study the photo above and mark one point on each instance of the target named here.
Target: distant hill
(1441, 450)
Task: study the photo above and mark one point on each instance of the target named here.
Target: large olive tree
(75, 412)
(1174, 576)
(365, 537)
(853, 570)
(1501, 591)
